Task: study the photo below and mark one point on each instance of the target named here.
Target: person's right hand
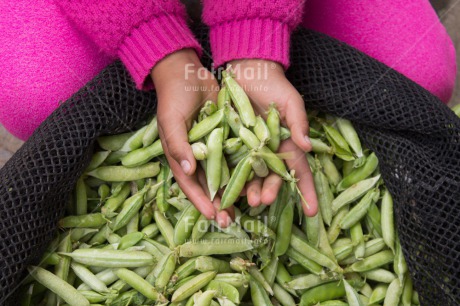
(183, 85)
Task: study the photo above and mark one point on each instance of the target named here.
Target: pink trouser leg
(43, 61)
(406, 35)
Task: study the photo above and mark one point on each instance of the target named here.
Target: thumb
(173, 132)
(297, 122)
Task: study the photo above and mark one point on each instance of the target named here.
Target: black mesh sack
(415, 136)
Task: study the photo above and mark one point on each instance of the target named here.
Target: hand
(268, 84)
(183, 85)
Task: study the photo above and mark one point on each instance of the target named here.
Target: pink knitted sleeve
(139, 32)
(251, 29)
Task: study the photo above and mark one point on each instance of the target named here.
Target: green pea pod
(130, 240)
(341, 148)
(333, 231)
(318, 146)
(372, 262)
(399, 264)
(146, 216)
(162, 195)
(58, 286)
(284, 228)
(122, 174)
(321, 293)
(165, 227)
(349, 134)
(387, 220)
(275, 210)
(141, 156)
(380, 275)
(236, 183)
(205, 298)
(359, 210)
(352, 296)
(330, 170)
(310, 226)
(205, 126)
(282, 296)
(270, 158)
(233, 119)
(284, 133)
(269, 271)
(81, 199)
(360, 173)
(200, 228)
(89, 278)
(213, 247)
(232, 145)
(192, 286)
(130, 207)
(324, 193)
(167, 271)
(115, 201)
(353, 193)
(259, 166)
(307, 281)
(374, 216)
(106, 276)
(135, 141)
(261, 130)
(224, 173)
(224, 290)
(378, 294)
(151, 133)
(240, 99)
(200, 151)
(185, 224)
(89, 220)
(113, 142)
(273, 123)
(406, 297)
(393, 294)
(140, 284)
(357, 236)
(342, 252)
(305, 262)
(110, 258)
(258, 294)
(97, 160)
(207, 263)
(208, 109)
(234, 279)
(214, 161)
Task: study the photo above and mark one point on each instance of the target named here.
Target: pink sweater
(48, 52)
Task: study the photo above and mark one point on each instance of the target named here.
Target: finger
(254, 188)
(222, 217)
(192, 189)
(201, 175)
(297, 122)
(173, 132)
(270, 188)
(299, 163)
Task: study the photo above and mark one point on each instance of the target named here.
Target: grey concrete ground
(448, 11)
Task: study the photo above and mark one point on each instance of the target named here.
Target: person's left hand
(266, 84)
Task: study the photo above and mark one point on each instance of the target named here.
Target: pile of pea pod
(131, 237)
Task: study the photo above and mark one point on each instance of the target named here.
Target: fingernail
(307, 139)
(185, 166)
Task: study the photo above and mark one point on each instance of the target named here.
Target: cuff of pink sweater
(151, 42)
(251, 38)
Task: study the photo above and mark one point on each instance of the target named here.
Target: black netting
(414, 135)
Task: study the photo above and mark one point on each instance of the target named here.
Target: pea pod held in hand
(240, 99)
